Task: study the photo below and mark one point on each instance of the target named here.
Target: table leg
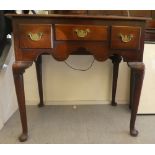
(38, 64)
(137, 75)
(116, 59)
(18, 70)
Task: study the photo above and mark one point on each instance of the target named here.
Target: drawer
(35, 36)
(81, 32)
(125, 37)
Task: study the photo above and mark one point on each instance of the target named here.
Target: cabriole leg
(137, 75)
(18, 70)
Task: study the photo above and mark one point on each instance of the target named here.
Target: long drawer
(81, 32)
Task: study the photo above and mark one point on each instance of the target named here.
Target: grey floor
(86, 124)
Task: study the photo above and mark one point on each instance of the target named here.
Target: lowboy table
(104, 37)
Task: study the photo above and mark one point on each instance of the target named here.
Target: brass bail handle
(82, 33)
(35, 36)
(126, 38)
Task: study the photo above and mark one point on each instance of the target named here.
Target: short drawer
(35, 36)
(125, 37)
(81, 32)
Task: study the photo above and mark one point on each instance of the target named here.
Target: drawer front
(35, 36)
(81, 32)
(125, 37)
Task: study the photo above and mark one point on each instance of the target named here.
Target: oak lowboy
(103, 37)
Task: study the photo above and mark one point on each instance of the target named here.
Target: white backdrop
(147, 100)
(8, 101)
(61, 83)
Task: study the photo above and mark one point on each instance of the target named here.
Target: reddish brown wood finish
(18, 70)
(116, 41)
(63, 49)
(38, 64)
(116, 61)
(67, 32)
(26, 42)
(26, 52)
(150, 31)
(137, 75)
